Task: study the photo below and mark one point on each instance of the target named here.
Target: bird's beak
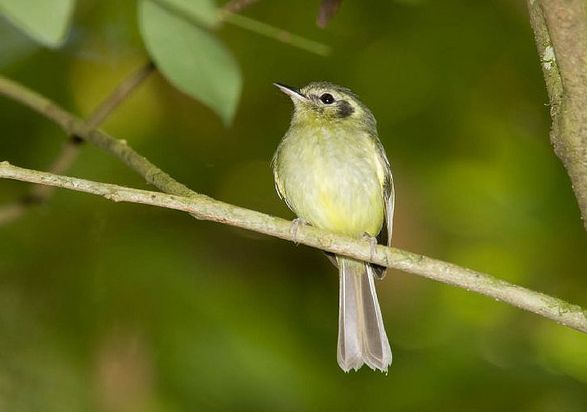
(291, 91)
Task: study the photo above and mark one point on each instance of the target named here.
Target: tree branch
(40, 194)
(205, 208)
(560, 29)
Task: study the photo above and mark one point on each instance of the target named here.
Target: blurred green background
(118, 307)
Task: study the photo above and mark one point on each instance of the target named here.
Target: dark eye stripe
(344, 109)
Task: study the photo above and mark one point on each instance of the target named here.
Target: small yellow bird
(332, 171)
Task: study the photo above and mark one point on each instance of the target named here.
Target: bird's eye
(327, 98)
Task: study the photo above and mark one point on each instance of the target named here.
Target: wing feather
(389, 201)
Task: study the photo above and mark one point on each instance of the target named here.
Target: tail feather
(361, 334)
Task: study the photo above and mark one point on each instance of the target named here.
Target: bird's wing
(384, 172)
(389, 198)
(279, 188)
(278, 185)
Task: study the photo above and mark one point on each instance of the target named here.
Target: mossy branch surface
(203, 207)
(560, 30)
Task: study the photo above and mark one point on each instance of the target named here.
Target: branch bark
(205, 208)
(40, 194)
(560, 29)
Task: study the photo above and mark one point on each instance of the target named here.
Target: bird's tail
(361, 334)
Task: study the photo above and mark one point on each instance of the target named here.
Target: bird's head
(322, 103)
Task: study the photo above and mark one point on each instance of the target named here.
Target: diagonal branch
(560, 29)
(40, 194)
(119, 95)
(73, 125)
(205, 208)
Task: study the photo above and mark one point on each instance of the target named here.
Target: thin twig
(206, 208)
(274, 33)
(73, 125)
(235, 6)
(228, 13)
(119, 95)
(560, 29)
(328, 8)
(40, 194)
(225, 14)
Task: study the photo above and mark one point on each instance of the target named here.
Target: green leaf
(46, 21)
(192, 59)
(199, 11)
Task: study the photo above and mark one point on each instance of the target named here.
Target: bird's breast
(330, 179)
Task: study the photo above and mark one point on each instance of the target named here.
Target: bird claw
(295, 225)
(378, 271)
(372, 244)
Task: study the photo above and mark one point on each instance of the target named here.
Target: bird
(332, 171)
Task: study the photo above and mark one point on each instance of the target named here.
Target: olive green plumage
(332, 171)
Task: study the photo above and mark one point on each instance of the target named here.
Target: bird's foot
(379, 271)
(372, 244)
(295, 226)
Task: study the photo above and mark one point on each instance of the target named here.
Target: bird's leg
(372, 244)
(295, 225)
(379, 271)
